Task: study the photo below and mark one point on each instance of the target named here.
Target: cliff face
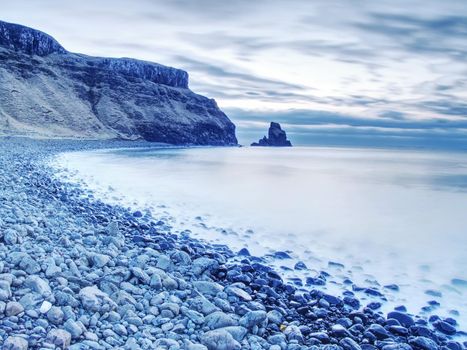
(47, 91)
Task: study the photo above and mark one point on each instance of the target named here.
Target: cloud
(314, 117)
(440, 35)
(308, 127)
(220, 72)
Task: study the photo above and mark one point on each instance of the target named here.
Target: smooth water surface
(391, 217)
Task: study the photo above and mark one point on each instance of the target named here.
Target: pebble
(404, 319)
(219, 339)
(45, 307)
(13, 308)
(15, 343)
(55, 315)
(60, 338)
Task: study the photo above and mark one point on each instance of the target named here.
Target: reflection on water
(391, 217)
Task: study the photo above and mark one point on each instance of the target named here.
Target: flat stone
(219, 319)
(45, 307)
(208, 288)
(240, 293)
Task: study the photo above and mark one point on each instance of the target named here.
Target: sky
(330, 71)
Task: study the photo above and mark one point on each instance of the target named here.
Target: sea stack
(276, 137)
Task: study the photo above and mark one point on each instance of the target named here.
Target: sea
(389, 220)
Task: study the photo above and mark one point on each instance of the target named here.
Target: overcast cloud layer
(367, 70)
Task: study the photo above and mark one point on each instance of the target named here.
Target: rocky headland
(47, 91)
(76, 273)
(276, 137)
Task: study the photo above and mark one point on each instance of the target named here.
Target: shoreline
(152, 288)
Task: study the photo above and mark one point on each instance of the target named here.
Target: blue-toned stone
(404, 319)
(423, 343)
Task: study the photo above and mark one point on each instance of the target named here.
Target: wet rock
(378, 330)
(300, 266)
(339, 331)
(397, 346)
(445, 327)
(349, 344)
(404, 319)
(423, 343)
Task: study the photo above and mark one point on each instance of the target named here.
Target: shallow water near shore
(388, 216)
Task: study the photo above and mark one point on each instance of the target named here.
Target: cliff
(50, 92)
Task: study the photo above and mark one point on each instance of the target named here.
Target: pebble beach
(77, 273)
